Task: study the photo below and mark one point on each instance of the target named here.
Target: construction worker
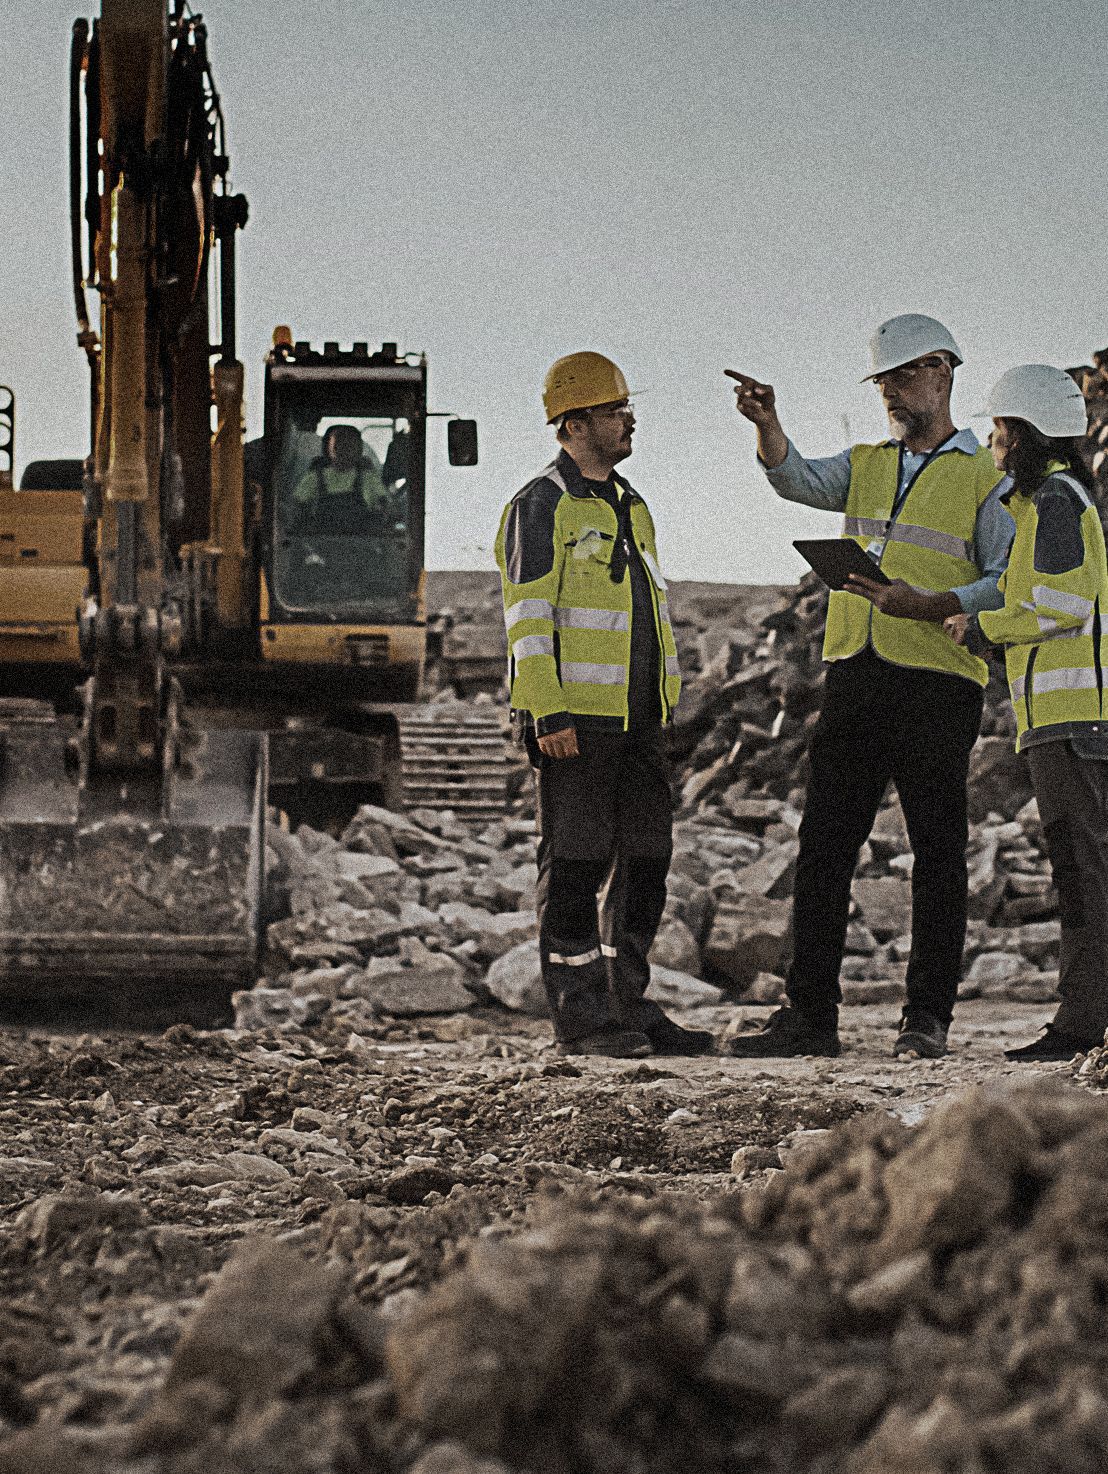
(594, 679)
(1055, 597)
(901, 701)
(342, 491)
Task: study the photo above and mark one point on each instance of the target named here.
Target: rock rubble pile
(412, 914)
(751, 698)
(420, 913)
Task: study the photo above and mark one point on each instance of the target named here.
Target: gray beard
(904, 423)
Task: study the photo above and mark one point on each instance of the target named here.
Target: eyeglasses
(908, 371)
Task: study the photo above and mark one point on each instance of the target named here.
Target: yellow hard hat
(579, 381)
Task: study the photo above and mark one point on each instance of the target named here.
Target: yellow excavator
(191, 625)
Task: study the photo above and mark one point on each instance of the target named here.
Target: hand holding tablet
(836, 558)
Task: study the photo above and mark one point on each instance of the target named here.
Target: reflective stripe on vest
(533, 645)
(1064, 602)
(592, 619)
(594, 673)
(528, 609)
(655, 571)
(1072, 679)
(926, 538)
(902, 532)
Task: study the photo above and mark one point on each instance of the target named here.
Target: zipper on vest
(667, 710)
(1027, 676)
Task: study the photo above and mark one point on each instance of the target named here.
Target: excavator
(192, 627)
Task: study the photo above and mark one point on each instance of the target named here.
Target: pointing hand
(757, 402)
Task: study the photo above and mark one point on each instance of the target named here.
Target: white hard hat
(1044, 396)
(912, 335)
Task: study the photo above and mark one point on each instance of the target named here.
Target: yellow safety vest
(569, 630)
(926, 540)
(1050, 624)
(322, 482)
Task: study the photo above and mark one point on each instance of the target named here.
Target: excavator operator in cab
(342, 491)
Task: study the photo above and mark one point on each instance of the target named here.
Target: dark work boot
(1051, 1045)
(921, 1035)
(787, 1034)
(612, 1043)
(666, 1037)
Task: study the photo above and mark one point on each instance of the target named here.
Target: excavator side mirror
(461, 442)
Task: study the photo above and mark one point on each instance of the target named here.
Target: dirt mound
(926, 1299)
(929, 1300)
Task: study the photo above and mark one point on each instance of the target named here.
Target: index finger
(739, 378)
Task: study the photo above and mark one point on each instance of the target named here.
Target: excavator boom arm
(131, 843)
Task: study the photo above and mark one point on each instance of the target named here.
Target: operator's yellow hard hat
(580, 381)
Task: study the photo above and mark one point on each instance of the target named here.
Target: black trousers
(605, 841)
(1072, 795)
(915, 728)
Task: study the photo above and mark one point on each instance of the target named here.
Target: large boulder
(516, 980)
(886, 905)
(676, 947)
(417, 981)
(673, 989)
(749, 935)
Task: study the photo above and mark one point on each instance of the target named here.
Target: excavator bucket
(104, 879)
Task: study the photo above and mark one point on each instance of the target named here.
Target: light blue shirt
(824, 481)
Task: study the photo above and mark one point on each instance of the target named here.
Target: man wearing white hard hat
(1055, 599)
(902, 702)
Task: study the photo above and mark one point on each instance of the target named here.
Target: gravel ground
(382, 1169)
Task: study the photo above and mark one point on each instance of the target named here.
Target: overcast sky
(684, 186)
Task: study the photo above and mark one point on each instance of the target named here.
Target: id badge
(875, 549)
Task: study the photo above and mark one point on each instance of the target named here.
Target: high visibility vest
(1050, 624)
(569, 629)
(324, 481)
(926, 540)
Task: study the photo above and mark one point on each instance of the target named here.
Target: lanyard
(902, 491)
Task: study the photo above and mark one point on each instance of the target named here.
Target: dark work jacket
(644, 707)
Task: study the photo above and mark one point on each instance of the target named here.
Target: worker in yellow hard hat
(594, 679)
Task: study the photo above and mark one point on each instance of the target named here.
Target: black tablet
(834, 557)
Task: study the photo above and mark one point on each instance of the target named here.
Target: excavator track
(457, 758)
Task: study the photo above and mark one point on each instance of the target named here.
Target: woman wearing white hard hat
(1055, 599)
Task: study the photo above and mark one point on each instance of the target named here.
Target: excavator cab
(341, 531)
(343, 486)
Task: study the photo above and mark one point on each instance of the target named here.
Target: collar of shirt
(964, 440)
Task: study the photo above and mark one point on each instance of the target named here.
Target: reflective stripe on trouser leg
(575, 977)
(574, 974)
